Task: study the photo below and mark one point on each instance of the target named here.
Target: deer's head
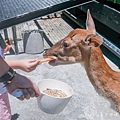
(75, 45)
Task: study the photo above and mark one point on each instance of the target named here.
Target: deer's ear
(95, 41)
(90, 23)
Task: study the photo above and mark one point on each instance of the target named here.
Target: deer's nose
(55, 54)
(44, 53)
(49, 53)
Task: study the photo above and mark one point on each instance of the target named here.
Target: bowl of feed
(55, 95)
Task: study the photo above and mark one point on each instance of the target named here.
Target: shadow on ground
(15, 116)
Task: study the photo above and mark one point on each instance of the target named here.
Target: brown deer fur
(82, 45)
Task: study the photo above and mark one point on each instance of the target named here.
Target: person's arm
(3, 67)
(18, 81)
(26, 65)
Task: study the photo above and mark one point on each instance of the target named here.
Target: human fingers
(31, 69)
(31, 92)
(29, 66)
(26, 94)
(21, 98)
(22, 82)
(27, 83)
(32, 65)
(36, 89)
(34, 62)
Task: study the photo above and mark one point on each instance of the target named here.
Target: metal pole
(15, 39)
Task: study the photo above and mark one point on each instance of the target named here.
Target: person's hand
(28, 65)
(29, 88)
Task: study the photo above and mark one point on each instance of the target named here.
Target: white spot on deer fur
(72, 59)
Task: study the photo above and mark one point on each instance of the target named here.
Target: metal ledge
(105, 14)
(13, 12)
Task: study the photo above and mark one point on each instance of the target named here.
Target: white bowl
(50, 104)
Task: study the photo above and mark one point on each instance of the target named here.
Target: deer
(83, 46)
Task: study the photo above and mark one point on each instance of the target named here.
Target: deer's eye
(65, 44)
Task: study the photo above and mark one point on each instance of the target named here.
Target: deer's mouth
(54, 59)
(59, 60)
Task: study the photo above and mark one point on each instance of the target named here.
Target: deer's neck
(95, 64)
(100, 74)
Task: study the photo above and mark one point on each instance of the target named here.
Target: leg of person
(5, 111)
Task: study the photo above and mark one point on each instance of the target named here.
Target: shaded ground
(86, 104)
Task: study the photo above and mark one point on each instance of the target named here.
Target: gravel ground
(86, 103)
